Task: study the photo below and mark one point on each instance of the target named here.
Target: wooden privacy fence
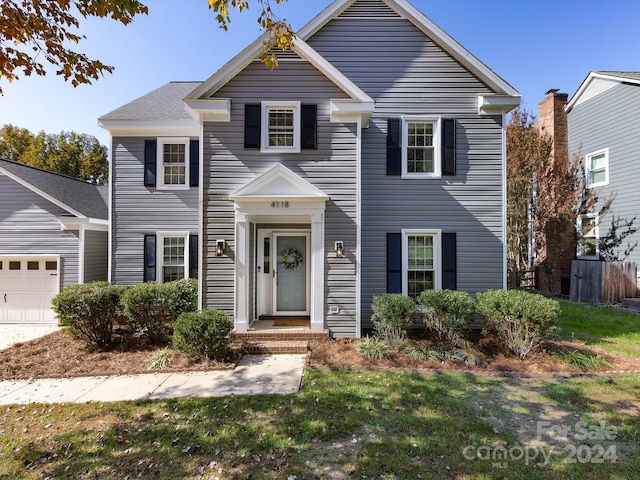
(595, 282)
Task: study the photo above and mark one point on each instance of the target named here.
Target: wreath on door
(290, 259)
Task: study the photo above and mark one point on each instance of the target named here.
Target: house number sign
(280, 204)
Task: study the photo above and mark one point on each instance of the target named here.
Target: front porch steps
(279, 341)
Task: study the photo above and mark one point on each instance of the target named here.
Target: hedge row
(517, 319)
(147, 310)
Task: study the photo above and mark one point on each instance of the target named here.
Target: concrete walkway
(254, 375)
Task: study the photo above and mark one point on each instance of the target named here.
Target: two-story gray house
(371, 160)
(604, 129)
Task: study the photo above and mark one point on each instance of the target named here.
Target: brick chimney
(552, 122)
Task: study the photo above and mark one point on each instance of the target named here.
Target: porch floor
(268, 325)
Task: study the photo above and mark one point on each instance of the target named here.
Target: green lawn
(364, 425)
(342, 425)
(606, 328)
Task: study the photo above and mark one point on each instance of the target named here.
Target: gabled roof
(254, 51)
(201, 104)
(280, 182)
(599, 82)
(424, 24)
(82, 199)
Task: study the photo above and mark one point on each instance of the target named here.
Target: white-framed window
(421, 260)
(173, 163)
(280, 127)
(588, 237)
(421, 147)
(597, 165)
(172, 255)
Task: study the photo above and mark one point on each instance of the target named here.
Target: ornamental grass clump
(519, 320)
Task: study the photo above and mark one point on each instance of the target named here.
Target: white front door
(283, 273)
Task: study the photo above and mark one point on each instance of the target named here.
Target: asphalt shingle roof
(90, 200)
(630, 75)
(164, 103)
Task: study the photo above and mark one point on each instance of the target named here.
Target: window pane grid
(281, 128)
(174, 163)
(420, 149)
(172, 259)
(420, 267)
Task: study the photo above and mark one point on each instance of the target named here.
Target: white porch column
(241, 321)
(317, 272)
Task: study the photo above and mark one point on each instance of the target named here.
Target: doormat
(284, 322)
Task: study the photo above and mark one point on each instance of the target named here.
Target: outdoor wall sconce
(339, 249)
(219, 248)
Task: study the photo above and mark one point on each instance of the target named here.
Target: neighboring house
(371, 160)
(53, 233)
(604, 128)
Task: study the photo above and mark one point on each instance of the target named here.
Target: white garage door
(27, 286)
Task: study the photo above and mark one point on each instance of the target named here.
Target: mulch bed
(62, 355)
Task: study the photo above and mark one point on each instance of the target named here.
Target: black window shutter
(394, 146)
(448, 152)
(394, 263)
(252, 118)
(193, 256)
(194, 162)
(449, 262)
(150, 147)
(149, 258)
(309, 126)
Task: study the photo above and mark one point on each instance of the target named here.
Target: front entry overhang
(278, 196)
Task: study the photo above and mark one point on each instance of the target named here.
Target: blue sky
(534, 45)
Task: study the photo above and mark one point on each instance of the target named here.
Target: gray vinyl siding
(408, 74)
(332, 168)
(610, 120)
(96, 255)
(29, 226)
(138, 210)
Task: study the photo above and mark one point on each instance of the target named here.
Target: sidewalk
(254, 375)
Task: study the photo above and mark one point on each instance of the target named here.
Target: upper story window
(421, 147)
(588, 237)
(597, 164)
(280, 127)
(173, 163)
(421, 261)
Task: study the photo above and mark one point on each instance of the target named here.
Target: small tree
(609, 244)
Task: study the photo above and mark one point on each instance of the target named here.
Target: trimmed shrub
(145, 307)
(519, 320)
(181, 297)
(90, 310)
(447, 314)
(392, 315)
(203, 335)
(151, 308)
